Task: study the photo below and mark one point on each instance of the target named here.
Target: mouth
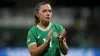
(47, 17)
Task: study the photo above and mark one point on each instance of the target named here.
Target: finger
(64, 31)
(51, 32)
(60, 38)
(63, 34)
(52, 29)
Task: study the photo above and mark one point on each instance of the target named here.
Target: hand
(62, 36)
(50, 34)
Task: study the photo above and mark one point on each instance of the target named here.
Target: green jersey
(36, 35)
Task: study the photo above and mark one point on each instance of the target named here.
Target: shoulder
(32, 29)
(57, 25)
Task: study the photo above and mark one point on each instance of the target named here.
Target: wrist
(61, 42)
(47, 41)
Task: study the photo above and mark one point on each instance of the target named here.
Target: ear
(37, 14)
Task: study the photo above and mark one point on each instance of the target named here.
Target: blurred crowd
(88, 36)
(83, 32)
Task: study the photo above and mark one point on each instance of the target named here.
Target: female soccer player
(46, 38)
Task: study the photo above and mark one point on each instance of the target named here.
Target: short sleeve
(30, 38)
(60, 28)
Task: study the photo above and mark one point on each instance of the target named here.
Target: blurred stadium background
(80, 18)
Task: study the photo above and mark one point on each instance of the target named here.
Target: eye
(44, 10)
(50, 10)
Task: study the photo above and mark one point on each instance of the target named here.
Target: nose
(48, 13)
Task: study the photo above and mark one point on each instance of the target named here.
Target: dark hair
(37, 9)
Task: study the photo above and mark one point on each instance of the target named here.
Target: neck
(44, 25)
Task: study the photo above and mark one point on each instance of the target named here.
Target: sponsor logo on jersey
(55, 34)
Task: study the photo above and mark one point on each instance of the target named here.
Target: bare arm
(35, 51)
(63, 47)
(63, 44)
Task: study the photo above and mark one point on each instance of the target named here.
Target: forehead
(45, 6)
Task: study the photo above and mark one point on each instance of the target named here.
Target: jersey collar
(43, 29)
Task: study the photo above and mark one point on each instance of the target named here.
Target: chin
(47, 20)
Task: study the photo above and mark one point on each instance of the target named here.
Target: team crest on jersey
(55, 34)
